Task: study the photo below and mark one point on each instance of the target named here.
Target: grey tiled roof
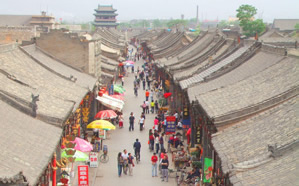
(83, 79)
(285, 24)
(15, 20)
(58, 96)
(254, 65)
(27, 144)
(184, 74)
(200, 77)
(243, 148)
(255, 90)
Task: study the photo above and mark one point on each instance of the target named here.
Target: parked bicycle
(104, 158)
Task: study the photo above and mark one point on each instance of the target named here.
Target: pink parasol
(82, 145)
(106, 114)
(129, 62)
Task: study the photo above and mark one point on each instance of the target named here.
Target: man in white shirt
(125, 156)
(141, 122)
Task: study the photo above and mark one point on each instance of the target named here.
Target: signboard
(93, 157)
(102, 134)
(198, 135)
(83, 175)
(186, 123)
(208, 170)
(185, 113)
(170, 124)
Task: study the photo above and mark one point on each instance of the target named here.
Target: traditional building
(43, 22)
(105, 16)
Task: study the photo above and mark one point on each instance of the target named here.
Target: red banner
(82, 175)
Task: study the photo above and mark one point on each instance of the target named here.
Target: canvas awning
(113, 103)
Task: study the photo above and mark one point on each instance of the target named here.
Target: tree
(157, 23)
(176, 23)
(197, 31)
(249, 25)
(297, 26)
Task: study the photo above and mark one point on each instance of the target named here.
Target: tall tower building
(105, 16)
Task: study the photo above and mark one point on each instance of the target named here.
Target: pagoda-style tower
(105, 16)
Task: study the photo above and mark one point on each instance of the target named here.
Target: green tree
(249, 25)
(176, 23)
(223, 24)
(197, 32)
(297, 26)
(157, 23)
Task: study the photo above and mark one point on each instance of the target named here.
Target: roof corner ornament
(33, 104)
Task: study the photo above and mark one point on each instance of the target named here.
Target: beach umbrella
(130, 62)
(118, 89)
(80, 156)
(101, 124)
(106, 114)
(82, 145)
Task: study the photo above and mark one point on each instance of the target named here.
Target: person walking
(131, 164)
(141, 122)
(122, 81)
(143, 106)
(152, 95)
(157, 144)
(161, 140)
(137, 147)
(146, 95)
(156, 107)
(152, 106)
(164, 167)
(120, 163)
(147, 107)
(131, 120)
(154, 160)
(125, 156)
(143, 84)
(136, 90)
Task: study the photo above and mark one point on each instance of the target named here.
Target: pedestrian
(143, 83)
(152, 95)
(143, 106)
(152, 106)
(176, 115)
(157, 144)
(161, 141)
(141, 122)
(147, 107)
(146, 95)
(120, 163)
(154, 160)
(136, 90)
(131, 164)
(122, 81)
(156, 121)
(131, 121)
(137, 147)
(120, 121)
(180, 125)
(148, 83)
(132, 69)
(125, 156)
(152, 141)
(164, 167)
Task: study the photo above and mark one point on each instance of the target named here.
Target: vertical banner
(170, 125)
(198, 135)
(208, 170)
(93, 156)
(82, 175)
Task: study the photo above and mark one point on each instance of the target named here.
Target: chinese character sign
(83, 175)
(93, 156)
(170, 124)
(198, 135)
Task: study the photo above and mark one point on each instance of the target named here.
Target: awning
(113, 103)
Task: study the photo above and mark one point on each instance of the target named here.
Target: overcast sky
(82, 10)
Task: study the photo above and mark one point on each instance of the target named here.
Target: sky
(77, 11)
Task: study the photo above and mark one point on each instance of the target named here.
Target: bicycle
(104, 158)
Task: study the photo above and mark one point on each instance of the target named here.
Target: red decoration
(167, 94)
(100, 93)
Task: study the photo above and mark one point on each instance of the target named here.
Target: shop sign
(83, 175)
(208, 170)
(93, 157)
(186, 123)
(102, 134)
(198, 135)
(170, 124)
(185, 113)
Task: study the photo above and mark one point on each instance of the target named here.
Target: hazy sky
(82, 10)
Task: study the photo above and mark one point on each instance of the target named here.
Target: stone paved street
(106, 174)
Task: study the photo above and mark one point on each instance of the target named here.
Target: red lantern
(100, 93)
(167, 94)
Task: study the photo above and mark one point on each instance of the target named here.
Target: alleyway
(123, 139)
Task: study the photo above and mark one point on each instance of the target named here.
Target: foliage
(249, 25)
(176, 23)
(197, 32)
(297, 26)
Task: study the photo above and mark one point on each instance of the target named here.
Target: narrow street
(121, 139)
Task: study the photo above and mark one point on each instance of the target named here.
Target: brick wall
(9, 34)
(66, 47)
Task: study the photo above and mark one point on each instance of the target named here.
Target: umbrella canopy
(106, 114)
(129, 65)
(130, 62)
(82, 145)
(118, 89)
(118, 97)
(101, 124)
(80, 156)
